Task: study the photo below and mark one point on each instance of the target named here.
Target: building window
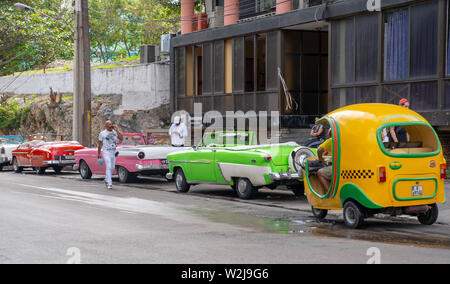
(261, 62)
(249, 63)
(424, 38)
(366, 47)
(219, 67)
(447, 95)
(180, 81)
(392, 94)
(343, 51)
(238, 64)
(396, 31)
(207, 68)
(424, 96)
(448, 38)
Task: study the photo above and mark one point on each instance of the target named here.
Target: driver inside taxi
(325, 174)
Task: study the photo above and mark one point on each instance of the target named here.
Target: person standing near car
(107, 147)
(178, 132)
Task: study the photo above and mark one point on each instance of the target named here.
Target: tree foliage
(29, 39)
(32, 38)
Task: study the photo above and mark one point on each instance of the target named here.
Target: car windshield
(408, 140)
(227, 139)
(132, 141)
(5, 140)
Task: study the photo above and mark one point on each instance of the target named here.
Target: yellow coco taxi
(370, 176)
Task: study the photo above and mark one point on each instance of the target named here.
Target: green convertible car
(233, 158)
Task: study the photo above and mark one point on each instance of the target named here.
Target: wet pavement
(271, 214)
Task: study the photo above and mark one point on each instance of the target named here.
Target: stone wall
(135, 97)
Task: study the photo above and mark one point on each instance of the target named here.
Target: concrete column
(187, 16)
(283, 6)
(231, 12)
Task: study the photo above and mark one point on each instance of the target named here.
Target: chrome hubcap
(179, 180)
(242, 186)
(351, 215)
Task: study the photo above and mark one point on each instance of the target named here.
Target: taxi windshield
(227, 139)
(408, 140)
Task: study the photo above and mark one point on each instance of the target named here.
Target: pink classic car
(134, 158)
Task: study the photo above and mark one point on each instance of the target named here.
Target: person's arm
(320, 152)
(312, 132)
(100, 146)
(407, 137)
(318, 133)
(119, 135)
(183, 131)
(393, 135)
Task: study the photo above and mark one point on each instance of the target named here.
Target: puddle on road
(381, 232)
(265, 224)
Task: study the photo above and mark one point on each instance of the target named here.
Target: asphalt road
(61, 219)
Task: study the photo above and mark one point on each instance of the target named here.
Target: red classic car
(41, 155)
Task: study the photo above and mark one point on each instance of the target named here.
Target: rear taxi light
(443, 170)
(381, 174)
(268, 158)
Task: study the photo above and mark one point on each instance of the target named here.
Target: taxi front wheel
(429, 217)
(353, 214)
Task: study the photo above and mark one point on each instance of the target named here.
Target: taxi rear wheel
(353, 214)
(181, 182)
(245, 189)
(40, 170)
(124, 175)
(16, 167)
(319, 213)
(429, 217)
(85, 171)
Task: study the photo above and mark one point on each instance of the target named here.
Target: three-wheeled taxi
(370, 176)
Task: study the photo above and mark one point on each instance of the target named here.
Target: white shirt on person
(178, 140)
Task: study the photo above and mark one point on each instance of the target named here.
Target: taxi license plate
(417, 190)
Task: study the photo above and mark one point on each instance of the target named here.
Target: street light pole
(82, 76)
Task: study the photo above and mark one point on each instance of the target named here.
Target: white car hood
(151, 152)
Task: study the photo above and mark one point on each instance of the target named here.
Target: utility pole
(82, 75)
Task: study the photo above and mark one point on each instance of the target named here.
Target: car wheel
(297, 189)
(245, 189)
(124, 175)
(319, 213)
(40, 170)
(58, 169)
(85, 171)
(353, 215)
(17, 169)
(1, 168)
(181, 182)
(429, 217)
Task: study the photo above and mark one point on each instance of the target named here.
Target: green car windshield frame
(228, 138)
(421, 133)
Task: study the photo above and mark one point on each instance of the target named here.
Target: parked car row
(368, 176)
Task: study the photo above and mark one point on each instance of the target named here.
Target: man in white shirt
(178, 132)
(107, 145)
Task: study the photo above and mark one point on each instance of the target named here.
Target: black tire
(58, 169)
(353, 214)
(124, 175)
(17, 169)
(41, 170)
(245, 189)
(319, 213)
(1, 168)
(181, 182)
(430, 217)
(297, 189)
(85, 171)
